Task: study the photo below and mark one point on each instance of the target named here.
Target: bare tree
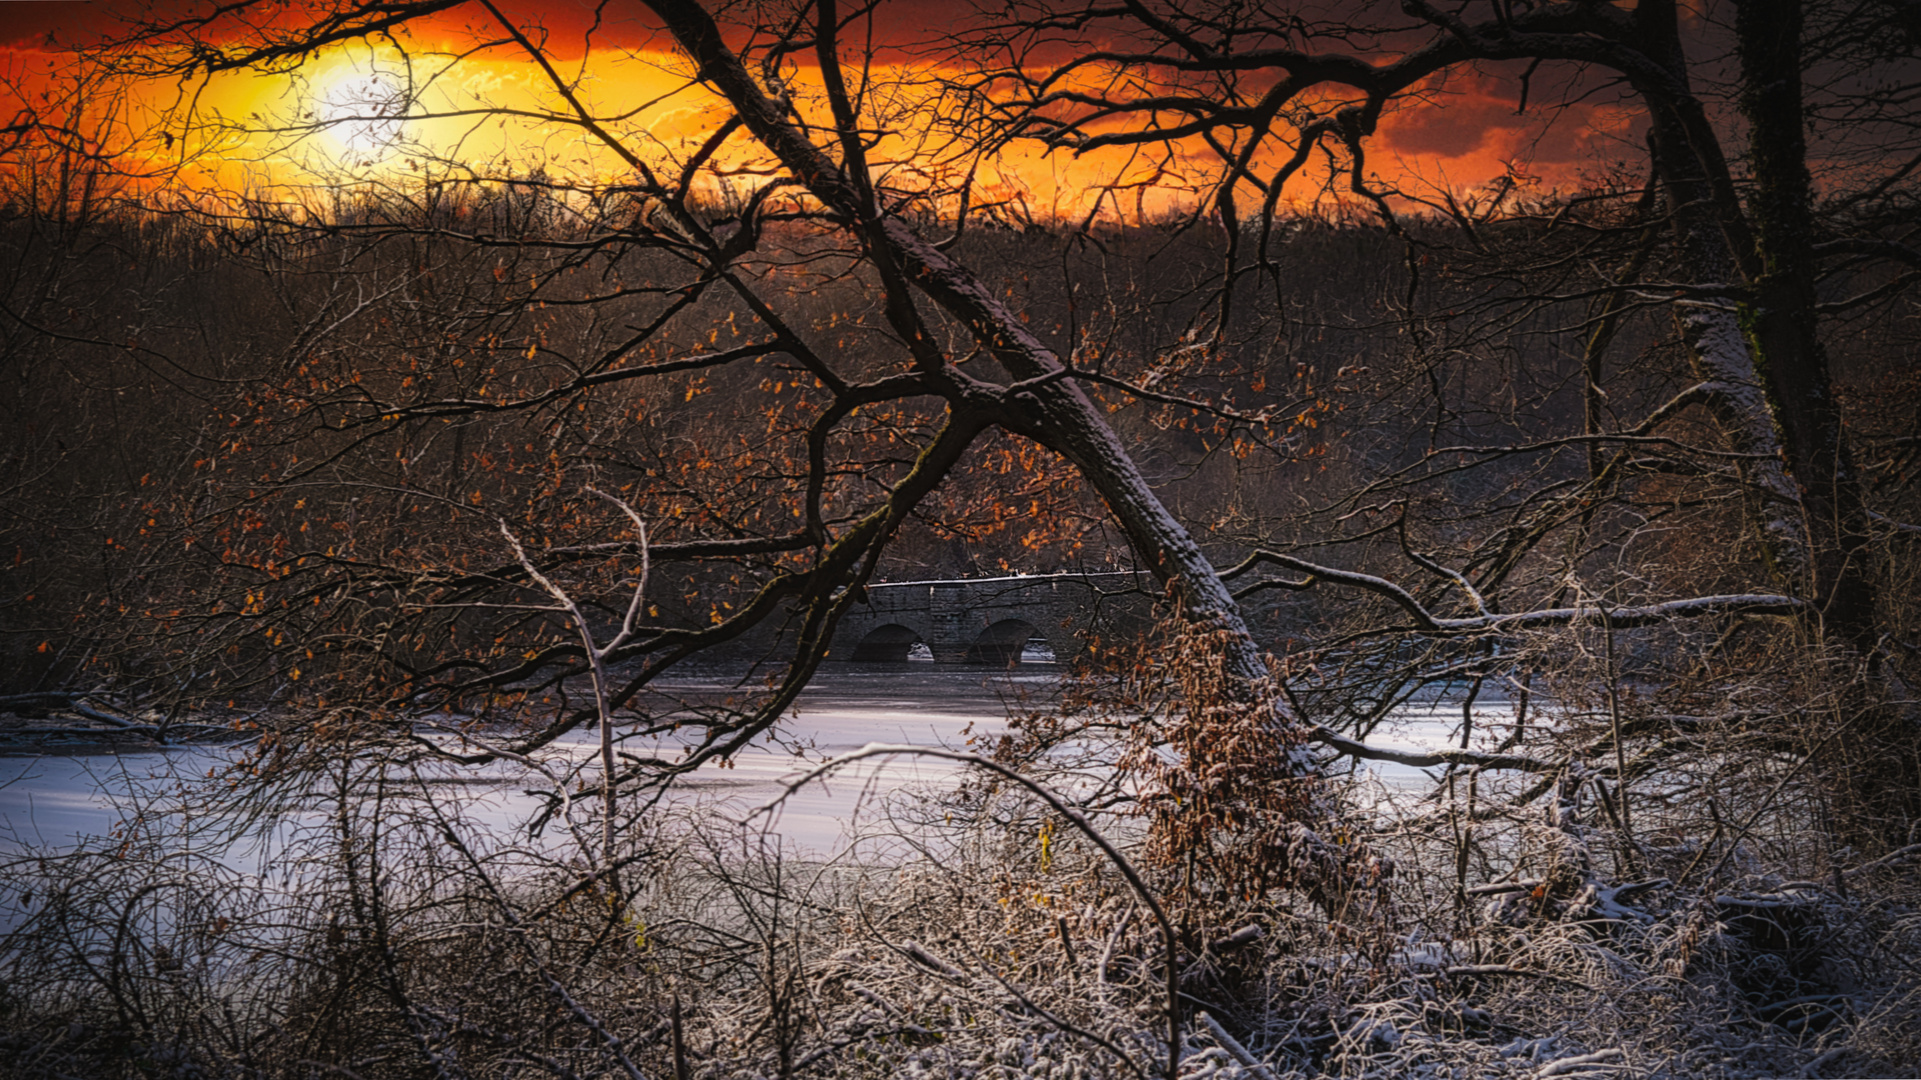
(1730, 238)
(875, 433)
(1581, 452)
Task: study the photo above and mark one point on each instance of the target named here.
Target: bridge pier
(947, 636)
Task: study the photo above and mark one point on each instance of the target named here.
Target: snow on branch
(1622, 618)
(1427, 759)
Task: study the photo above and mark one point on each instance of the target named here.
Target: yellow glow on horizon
(374, 115)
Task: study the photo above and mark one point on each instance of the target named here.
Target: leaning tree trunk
(1042, 403)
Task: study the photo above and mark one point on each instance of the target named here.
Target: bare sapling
(597, 655)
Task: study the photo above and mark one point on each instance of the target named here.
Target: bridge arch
(888, 643)
(1001, 643)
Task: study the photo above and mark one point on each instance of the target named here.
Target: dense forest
(401, 477)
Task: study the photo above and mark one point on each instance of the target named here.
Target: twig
(1061, 807)
(1233, 1046)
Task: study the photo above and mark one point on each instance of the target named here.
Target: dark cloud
(32, 23)
(1478, 117)
(567, 23)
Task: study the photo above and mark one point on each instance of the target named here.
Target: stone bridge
(989, 620)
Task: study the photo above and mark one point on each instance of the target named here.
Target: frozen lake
(51, 801)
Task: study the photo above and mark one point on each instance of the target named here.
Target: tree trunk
(1710, 237)
(1760, 343)
(1880, 766)
(1780, 320)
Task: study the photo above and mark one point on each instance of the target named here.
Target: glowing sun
(364, 113)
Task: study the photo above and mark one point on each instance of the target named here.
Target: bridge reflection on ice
(1035, 651)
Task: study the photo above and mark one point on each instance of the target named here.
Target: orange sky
(1461, 137)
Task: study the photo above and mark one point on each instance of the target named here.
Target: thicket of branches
(1634, 460)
